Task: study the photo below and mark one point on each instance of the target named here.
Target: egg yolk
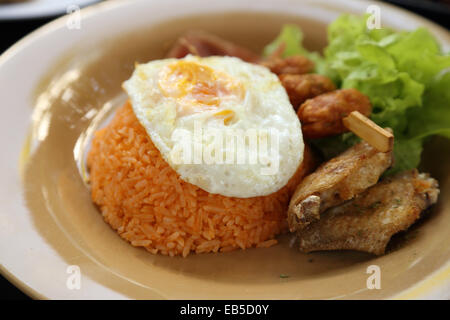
(198, 88)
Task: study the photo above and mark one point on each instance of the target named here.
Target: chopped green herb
(397, 203)
(284, 276)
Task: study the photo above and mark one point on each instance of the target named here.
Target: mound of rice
(144, 199)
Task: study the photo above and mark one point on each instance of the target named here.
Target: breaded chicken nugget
(204, 44)
(289, 65)
(301, 87)
(322, 116)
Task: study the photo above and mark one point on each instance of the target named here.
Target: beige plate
(69, 80)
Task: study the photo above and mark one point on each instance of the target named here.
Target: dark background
(12, 31)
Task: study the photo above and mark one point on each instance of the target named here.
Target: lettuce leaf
(405, 75)
(434, 116)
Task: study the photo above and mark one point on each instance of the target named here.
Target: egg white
(263, 105)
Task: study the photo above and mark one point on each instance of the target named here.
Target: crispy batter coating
(301, 87)
(289, 65)
(322, 116)
(204, 44)
(336, 181)
(368, 222)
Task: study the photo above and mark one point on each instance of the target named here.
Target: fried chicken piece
(301, 87)
(322, 116)
(338, 180)
(368, 222)
(203, 44)
(289, 65)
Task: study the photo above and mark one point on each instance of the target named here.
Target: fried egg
(222, 124)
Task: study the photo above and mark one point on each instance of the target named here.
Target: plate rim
(421, 290)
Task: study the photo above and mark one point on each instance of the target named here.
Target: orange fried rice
(150, 206)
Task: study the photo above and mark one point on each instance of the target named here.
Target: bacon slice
(301, 87)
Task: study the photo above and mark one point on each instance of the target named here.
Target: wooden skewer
(363, 127)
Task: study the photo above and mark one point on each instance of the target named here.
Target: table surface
(15, 30)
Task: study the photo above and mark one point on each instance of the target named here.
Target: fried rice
(150, 206)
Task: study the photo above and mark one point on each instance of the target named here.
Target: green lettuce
(405, 75)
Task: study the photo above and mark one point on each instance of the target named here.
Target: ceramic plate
(59, 84)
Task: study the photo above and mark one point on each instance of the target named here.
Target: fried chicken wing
(368, 222)
(203, 44)
(322, 116)
(301, 87)
(336, 181)
(289, 65)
